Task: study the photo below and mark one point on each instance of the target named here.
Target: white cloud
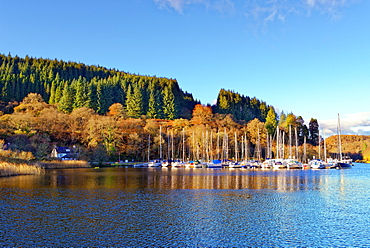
(356, 123)
(222, 6)
(266, 11)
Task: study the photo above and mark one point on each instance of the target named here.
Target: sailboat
(235, 164)
(279, 162)
(341, 163)
(291, 162)
(157, 162)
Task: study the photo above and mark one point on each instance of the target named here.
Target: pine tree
(52, 93)
(81, 94)
(313, 128)
(168, 104)
(152, 106)
(58, 92)
(92, 97)
(134, 102)
(66, 102)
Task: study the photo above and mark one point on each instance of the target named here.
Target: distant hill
(355, 146)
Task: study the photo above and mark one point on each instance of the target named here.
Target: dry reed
(65, 164)
(14, 169)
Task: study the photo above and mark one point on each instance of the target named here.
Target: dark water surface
(187, 207)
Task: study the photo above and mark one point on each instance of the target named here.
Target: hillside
(73, 85)
(355, 146)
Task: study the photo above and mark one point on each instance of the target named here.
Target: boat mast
(339, 141)
(149, 148)
(236, 148)
(172, 151)
(258, 144)
(277, 143)
(296, 143)
(160, 142)
(246, 149)
(324, 147)
(319, 145)
(304, 150)
(267, 155)
(183, 144)
(290, 141)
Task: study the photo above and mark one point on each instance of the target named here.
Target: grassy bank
(64, 164)
(14, 169)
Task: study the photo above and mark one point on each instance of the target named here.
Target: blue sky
(309, 57)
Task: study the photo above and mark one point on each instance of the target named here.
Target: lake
(187, 207)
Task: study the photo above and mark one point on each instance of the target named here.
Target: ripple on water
(320, 208)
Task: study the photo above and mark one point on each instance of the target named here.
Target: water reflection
(186, 207)
(167, 178)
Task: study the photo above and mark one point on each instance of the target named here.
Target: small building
(64, 153)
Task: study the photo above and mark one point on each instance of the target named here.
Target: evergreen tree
(66, 102)
(134, 102)
(152, 106)
(81, 98)
(59, 92)
(282, 119)
(168, 104)
(52, 93)
(313, 128)
(91, 97)
(223, 102)
(302, 130)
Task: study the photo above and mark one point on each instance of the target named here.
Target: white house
(64, 153)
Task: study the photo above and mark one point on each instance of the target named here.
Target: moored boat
(293, 164)
(317, 164)
(154, 163)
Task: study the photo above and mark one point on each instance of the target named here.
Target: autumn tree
(32, 104)
(202, 115)
(271, 121)
(117, 110)
(256, 129)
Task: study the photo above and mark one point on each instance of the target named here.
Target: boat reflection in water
(182, 178)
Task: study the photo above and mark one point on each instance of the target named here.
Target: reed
(65, 164)
(14, 169)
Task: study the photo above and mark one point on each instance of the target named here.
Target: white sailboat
(292, 163)
(341, 163)
(235, 163)
(279, 162)
(157, 162)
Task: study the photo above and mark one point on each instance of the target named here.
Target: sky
(306, 57)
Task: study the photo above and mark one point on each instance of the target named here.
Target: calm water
(186, 207)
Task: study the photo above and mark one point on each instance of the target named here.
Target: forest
(107, 115)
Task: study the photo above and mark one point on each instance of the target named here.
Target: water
(186, 207)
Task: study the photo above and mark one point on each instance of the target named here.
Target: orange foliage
(202, 115)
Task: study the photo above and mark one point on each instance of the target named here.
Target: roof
(63, 150)
(71, 155)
